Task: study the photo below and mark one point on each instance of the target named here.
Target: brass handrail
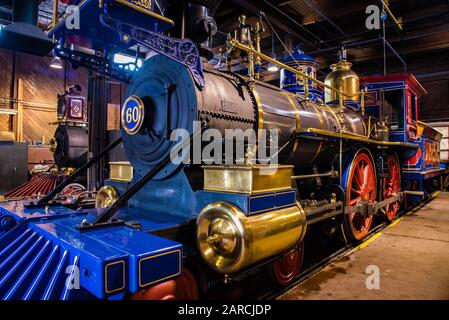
(236, 44)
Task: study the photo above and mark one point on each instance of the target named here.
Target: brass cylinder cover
(106, 197)
(343, 79)
(229, 241)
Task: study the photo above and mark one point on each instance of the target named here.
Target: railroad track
(348, 248)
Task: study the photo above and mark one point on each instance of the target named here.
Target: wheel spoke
(361, 187)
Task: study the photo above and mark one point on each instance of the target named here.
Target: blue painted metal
(103, 66)
(307, 65)
(183, 51)
(44, 252)
(91, 34)
(250, 204)
(7, 222)
(114, 27)
(151, 82)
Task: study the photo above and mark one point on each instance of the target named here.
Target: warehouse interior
(71, 153)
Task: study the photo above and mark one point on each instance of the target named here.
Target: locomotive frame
(173, 225)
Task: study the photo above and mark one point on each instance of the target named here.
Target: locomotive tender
(172, 230)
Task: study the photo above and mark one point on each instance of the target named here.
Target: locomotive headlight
(106, 197)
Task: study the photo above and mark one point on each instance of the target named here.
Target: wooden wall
(40, 87)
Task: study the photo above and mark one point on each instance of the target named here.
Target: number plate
(133, 113)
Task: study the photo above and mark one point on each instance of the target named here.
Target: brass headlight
(106, 197)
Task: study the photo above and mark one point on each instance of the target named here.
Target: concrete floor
(412, 257)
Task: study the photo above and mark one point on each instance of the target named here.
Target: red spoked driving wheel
(285, 269)
(182, 288)
(360, 188)
(392, 186)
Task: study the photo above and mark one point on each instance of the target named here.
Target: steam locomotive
(170, 230)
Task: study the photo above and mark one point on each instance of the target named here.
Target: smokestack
(23, 34)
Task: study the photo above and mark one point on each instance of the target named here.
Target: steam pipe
(331, 173)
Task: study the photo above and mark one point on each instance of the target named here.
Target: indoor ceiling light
(56, 63)
(271, 66)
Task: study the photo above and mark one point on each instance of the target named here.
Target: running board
(44, 257)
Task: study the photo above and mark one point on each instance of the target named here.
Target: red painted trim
(409, 78)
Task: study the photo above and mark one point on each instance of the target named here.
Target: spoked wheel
(392, 186)
(360, 187)
(182, 288)
(284, 270)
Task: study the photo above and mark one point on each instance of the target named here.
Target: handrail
(235, 43)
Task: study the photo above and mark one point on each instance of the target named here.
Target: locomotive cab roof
(393, 81)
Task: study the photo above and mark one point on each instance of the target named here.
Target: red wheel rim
(285, 269)
(392, 186)
(361, 187)
(182, 288)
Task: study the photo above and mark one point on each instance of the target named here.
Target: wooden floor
(407, 260)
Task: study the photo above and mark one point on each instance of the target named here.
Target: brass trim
(155, 256)
(130, 5)
(106, 276)
(250, 213)
(259, 112)
(139, 123)
(247, 179)
(53, 145)
(146, 11)
(106, 197)
(55, 26)
(397, 21)
(360, 138)
(235, 43)
(120, 171)
(298, 125)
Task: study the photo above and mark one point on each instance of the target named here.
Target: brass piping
(397, 21)
(359, 138)
(55, 13)
(237, 44)
(259, 112)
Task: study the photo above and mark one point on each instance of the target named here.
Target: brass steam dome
(343, 79)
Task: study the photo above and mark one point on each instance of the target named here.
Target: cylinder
(229, 240)
(343, 79)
